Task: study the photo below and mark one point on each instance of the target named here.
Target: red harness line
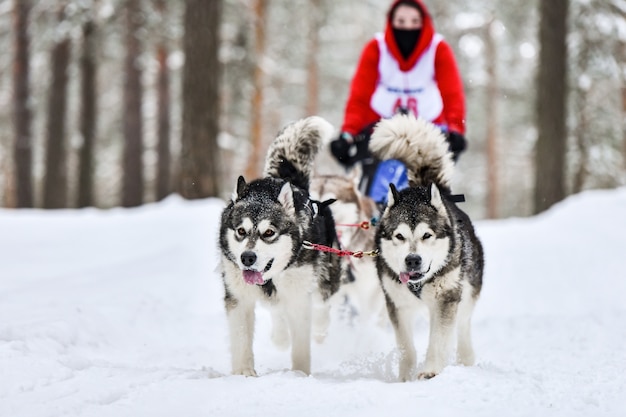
(365, 225)
(323, 248)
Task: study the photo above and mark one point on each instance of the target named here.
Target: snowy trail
(120, 313)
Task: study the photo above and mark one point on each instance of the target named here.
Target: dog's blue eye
(399, 237)
(426, 236)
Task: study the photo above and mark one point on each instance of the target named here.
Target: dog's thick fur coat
(429, 252)
(262, 255)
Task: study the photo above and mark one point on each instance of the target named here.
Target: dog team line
(279, 247)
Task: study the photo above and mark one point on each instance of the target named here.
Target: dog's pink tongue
(252, 277)
(404, 277)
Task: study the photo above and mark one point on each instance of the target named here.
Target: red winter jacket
(359, 114)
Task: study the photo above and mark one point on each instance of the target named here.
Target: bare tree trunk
(582, 116)
(21, 109)
(8, 178)
(132, 190)
(163, 183)
(315, 22)
(493, 173)
(55, 179)
(551, 98)
(253, 169)
(624, 121)
(582, 129)
(623, 90)
(199, 169)
(87, 117)
(620, 11)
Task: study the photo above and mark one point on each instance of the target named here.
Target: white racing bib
(415, 90)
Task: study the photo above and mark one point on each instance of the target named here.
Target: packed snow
(120, 313)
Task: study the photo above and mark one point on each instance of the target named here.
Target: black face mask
(406, 40)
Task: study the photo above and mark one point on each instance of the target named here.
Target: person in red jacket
(409, 68)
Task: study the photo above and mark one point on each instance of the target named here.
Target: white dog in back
(360, 283)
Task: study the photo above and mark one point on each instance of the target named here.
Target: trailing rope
(340, 252)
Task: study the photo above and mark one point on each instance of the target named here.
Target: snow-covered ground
(120, 313)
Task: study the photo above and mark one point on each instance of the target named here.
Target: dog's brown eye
(269, 233)
(399, 237)
(426, 236)
(241, 231)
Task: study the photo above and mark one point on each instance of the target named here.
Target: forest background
(122, 102)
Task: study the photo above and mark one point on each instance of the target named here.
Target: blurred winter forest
(121, 102)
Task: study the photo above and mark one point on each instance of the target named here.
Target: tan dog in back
(360, 282)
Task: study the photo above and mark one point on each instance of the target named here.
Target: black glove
(340, 148)
(456, 144)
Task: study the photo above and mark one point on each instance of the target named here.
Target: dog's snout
(413, 262)
(248, 258)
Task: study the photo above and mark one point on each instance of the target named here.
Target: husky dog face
(415, 235)
(260, 229)
(260, 250)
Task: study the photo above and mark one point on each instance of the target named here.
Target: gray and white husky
(262, 234)
(429, 252)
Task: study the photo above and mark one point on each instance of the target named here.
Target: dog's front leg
(241, 325)
(442, 325)
(294, 289)
(320, 317)
(404, 339)
(299, 318)
(402, 320)
(465, 351)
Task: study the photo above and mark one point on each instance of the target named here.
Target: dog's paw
(428, 372)
(245, 372)
(426, 375)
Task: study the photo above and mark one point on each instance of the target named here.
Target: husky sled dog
(360, 283)
(262, 233)
(429, 252)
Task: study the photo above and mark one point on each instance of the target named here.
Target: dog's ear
(435, 198)
(327, 203)
(241, 183)
(392, 195)
(285, 198)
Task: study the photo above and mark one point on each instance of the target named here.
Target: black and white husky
(429, 252)
(262, 233)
